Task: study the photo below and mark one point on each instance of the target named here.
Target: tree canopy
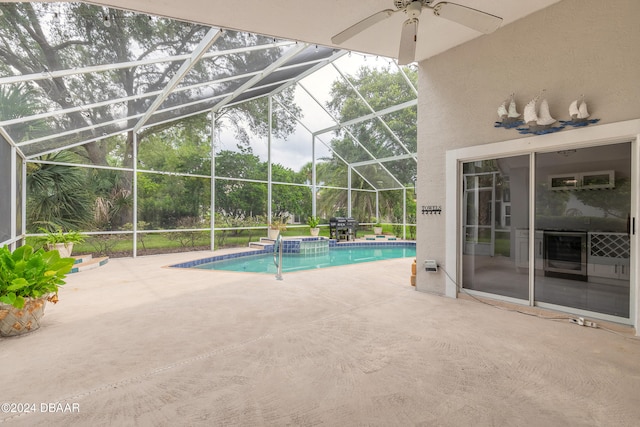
(42, 39)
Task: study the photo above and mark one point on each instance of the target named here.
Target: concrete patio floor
(133, 343)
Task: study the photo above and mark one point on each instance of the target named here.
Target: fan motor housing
(401, 4)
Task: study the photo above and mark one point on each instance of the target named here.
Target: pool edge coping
(269, 250)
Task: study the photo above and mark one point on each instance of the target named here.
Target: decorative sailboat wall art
(537, 118)
(579, 114)
(508, 113)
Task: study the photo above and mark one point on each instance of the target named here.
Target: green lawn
(115, 245)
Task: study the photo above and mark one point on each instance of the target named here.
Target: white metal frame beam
(370, 116)
(131, 64)
(85, 107)
(321, 64)
(268, 70)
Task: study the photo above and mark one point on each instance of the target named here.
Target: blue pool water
(336, 256)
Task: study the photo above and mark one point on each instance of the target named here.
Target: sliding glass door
(583, 205)
(496, 218)
(581, 234)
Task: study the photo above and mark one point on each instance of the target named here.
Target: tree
(614, 202)
(240, 198)
(31, 42)
(165, 201)
(57, 194)
(381, 89)
(21, 100)
(289, 199)
(251, 117)
(184, 147)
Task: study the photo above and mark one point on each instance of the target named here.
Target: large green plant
(25, 273)
(56, 236)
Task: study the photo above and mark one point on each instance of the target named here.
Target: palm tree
(17, 101)
(57, 194)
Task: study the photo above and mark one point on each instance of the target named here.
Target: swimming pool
(336, 255)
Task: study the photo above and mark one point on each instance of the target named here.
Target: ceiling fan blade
(472, 18)
(408, 42)
(362, 25)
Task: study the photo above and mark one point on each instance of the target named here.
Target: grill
(341, 228)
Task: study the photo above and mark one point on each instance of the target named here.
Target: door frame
(590, 136)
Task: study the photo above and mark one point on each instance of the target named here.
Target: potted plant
(277, 225)
(313, 222)
(377, 228)
(28, 279)
(60, 240)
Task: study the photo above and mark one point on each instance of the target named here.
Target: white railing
(277, 256)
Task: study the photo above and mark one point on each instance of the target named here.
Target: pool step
(380, 237)
(264, 241)
(87, 262)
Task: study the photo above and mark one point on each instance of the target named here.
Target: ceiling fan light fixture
(414, 9)
(472, 18)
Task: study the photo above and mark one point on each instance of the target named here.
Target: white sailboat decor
(508, 113)
(538, 120)
(579, 114)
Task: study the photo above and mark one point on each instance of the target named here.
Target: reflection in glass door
(495, 218)
(583, 202)
(479, 215)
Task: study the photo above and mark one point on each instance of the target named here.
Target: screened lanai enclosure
(147, 134)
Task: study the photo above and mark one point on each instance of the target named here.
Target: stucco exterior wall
(572, 48)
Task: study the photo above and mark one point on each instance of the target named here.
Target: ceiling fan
(472, 18)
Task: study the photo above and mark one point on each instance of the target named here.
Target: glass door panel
(583, 201)
(495, 218)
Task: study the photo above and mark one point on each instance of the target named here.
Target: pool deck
(136, 343)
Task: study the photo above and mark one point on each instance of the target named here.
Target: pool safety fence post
(277, 256)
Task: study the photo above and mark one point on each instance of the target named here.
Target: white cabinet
(522, 249)
(608, 258)
(618, 271)
(582, 180)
